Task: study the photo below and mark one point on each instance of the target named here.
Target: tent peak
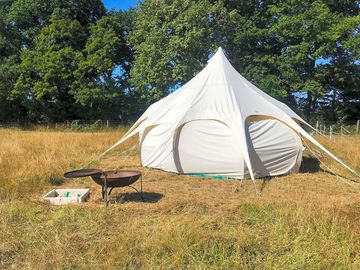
(219, 54)
(219, 51)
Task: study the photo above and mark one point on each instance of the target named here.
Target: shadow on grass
(265, 182)
(145, 197)
(310, 165)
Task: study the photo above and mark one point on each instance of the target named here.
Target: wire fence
(339, 129)
(75, 125)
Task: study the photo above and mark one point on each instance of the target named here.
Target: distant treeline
(62, 60)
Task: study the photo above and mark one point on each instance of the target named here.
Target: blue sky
(119, 4)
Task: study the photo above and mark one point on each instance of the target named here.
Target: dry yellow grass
(308, 220)
(346, 147)
(31, 159)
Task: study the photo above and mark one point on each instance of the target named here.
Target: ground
(307, 220)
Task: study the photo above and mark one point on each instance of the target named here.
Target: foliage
(101, 78)
(10, 43)
(63, 60)
(173, 41)
(72, 59)
(47, 72)
(95, 126)
(75, 126)
(284, 47)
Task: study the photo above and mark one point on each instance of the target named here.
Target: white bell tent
(219, 124)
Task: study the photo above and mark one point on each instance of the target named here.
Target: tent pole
(246, 156)
(315, 142)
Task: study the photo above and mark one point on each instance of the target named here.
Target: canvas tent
(220, 124)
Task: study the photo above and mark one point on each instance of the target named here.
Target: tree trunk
(333, 106)
(308, 107)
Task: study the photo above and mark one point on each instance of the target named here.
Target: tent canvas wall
(220, 124)
(207, 146)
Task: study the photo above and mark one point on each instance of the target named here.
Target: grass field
(308, 220)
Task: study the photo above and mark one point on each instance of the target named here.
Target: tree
(30, 16)
(321, 35)
(21, 22)
(67, 59)
(10, 44)
(172, 41)
(284, 47)
(102, 77)
(47, 71)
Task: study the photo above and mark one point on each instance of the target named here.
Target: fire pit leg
(141, 190)
(106, 193)
(111, 190)
(102, 192)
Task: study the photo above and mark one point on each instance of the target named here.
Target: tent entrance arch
(274, 148)
(207, 146)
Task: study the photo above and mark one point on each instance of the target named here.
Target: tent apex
(220, 50)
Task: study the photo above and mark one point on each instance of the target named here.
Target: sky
(119, 4)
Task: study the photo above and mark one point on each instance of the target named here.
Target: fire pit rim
(83, 173)
(118, 181)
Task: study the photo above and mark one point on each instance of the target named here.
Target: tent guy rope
(327, 167)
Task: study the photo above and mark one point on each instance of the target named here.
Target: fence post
(107, 123)
(341, 133)
(357, 126)
(317, 125)
(330, 132)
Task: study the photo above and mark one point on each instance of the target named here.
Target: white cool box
(65, 196)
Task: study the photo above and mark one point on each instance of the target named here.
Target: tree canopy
(73, 59)
(301, 52)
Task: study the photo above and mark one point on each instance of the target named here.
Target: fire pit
(117, 178)
(109, 179)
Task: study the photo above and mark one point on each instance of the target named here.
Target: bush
(75, 125)
(95, 126)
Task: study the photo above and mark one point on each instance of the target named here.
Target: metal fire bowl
(83, 173)
(117, 178)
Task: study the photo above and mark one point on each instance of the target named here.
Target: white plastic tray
(66, 196)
